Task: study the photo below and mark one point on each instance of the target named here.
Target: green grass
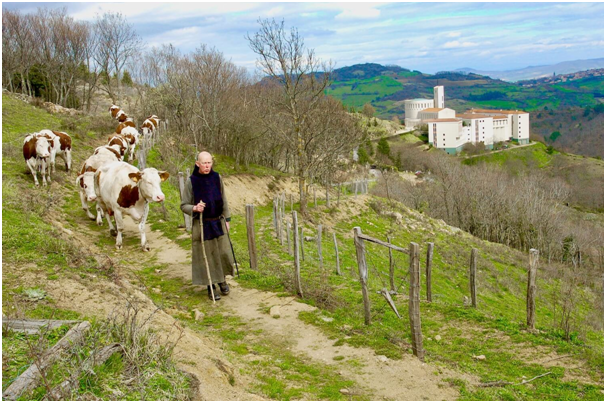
(495, 329)
(465, 331)
(33, 244)
(359, 92)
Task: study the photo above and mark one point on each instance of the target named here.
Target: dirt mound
(248, 189)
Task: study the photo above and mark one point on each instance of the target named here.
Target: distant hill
(565, 97)
(534, 72)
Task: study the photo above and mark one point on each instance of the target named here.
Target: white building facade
(412, 108)
(446, 134)
(512, 124)
(450, 131)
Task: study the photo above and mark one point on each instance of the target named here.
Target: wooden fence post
(250, 233)
(334, 239)
(291, 202)
(296, 256)
(186, 218)
(532, 288)
(363, 271)
(274, 214)
(392, 284)
(302, 239)
(472, 276)
(283, 205)
(288, 238)
(319, 242)
(428, 269)
(414, 301)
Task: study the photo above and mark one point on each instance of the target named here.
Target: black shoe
(217, 295)
(224, 288)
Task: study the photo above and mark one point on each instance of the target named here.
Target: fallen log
(30, 378)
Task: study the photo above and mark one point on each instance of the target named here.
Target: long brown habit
(218, 251)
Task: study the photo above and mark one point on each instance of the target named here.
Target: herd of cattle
(105, 179)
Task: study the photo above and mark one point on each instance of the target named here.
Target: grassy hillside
(573, 370)
(36, 248)
(495, 329)
(584, 176)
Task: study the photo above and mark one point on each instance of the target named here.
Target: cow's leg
(85, 204)
(33, 168)
(144, 244)
(51, 167)
(99, 215)
(112, 229)
(43, 171)
(120, 228)
(68, 160)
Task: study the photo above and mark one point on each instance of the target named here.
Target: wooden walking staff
(212, 291)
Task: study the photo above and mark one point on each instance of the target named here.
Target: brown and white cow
(61, 145)
(36, 152)
(148, 128)
(105, 149)
(128, 123)
(132, 138)
(86, 182)
(113, 110)
(119, 143)
(121, 116)
(122, 189)
(154, 119)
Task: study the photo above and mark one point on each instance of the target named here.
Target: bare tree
(118, 43)
(303, 78)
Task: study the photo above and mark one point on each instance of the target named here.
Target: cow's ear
(135, 176)
(163, 175)
(79, 180)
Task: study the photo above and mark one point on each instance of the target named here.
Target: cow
(154, 119)
(113, 110)
(85, 179)
(132, 138)
(122, 189)
(119, 143)
(105, 149)
(36, 151)
(148, 128)
(61, 145)
(128, 123)
(121, 116)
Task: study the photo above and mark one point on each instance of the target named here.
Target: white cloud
(453, 34)
(358, 10)
(457, 44)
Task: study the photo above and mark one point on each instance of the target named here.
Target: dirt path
(379, 377)
(376, 377)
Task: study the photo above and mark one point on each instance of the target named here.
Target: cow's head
(43, 147)
(86, 182)
(149, 181)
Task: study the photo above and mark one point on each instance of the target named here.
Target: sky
(428, 37)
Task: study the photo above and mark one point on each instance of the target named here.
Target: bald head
(204, 162)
